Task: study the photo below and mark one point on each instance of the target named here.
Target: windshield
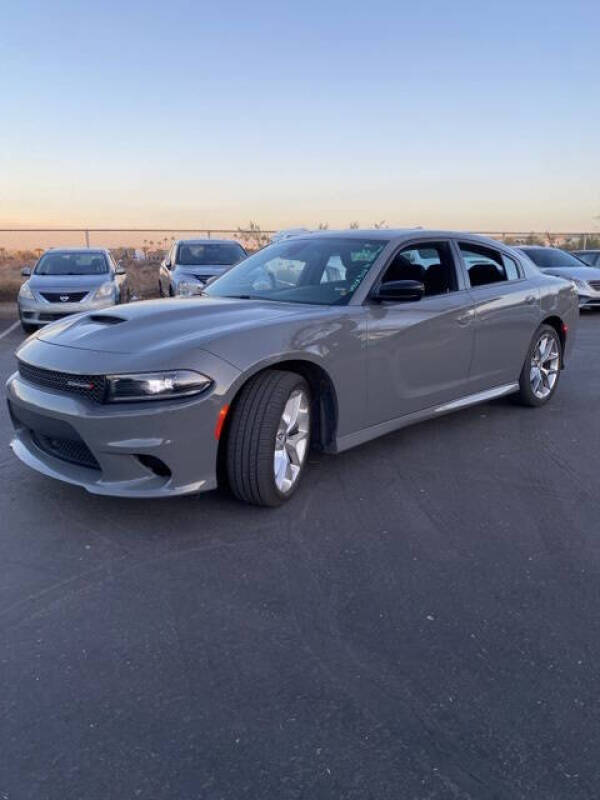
(325, 271)
(552, 257)
(84, 263)
(195, 255)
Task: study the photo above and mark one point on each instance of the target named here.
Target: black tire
(27, 328)
(526, 395)
(160, 290)
(251, 437)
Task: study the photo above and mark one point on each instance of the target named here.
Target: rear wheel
(541, 370)
(268, 438)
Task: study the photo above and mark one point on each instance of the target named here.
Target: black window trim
(417, 242)
(500, 250)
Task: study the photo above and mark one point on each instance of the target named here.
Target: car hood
(160, 324)
(581, 273)
(63, 283)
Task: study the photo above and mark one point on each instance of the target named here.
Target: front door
(419, 353)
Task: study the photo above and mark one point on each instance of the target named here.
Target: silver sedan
(67, 282)
(554, 261)
(327, 340)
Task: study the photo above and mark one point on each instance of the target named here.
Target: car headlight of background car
(25, 292)
(188, 288)
(579, 284)
(104, 291)
(155, 385)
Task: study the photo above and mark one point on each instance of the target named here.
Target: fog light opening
(155, 465)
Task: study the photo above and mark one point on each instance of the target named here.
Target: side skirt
(366, 434)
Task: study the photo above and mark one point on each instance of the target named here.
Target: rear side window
(486, 265)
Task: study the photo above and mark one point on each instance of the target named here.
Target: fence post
(585, 241)
(87, 238)
(208, 234)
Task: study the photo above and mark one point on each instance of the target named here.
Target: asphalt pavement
(421, 621)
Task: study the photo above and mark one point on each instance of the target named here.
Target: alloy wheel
(291, 441)
(545, 364)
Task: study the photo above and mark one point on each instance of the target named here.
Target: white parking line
(8, 330)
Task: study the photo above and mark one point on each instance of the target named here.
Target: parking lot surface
(422, 620)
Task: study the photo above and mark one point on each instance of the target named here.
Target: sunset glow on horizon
(440, 115)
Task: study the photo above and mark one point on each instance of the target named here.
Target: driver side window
(429, 263)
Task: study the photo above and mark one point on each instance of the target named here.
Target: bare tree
(379, 225)
(323, 226)
(354, 225)
(253, 237)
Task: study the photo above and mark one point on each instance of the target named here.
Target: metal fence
(155, 240)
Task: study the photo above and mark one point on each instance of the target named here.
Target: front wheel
(541, 370)
(268, 438)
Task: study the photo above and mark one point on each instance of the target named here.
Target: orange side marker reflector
(221, 421)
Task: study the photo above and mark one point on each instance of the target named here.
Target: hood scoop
(106, 319)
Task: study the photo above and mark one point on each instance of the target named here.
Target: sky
(471, 115)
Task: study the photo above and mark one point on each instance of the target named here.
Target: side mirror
(167, 263)
(120, 270)
(26, 272)
(399, 291)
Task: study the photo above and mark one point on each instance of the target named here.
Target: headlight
(104, 290)
(579, 284)
(155, 385)
(188, 288)
(25, 292)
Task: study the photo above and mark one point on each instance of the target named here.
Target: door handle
(464, 319)
(530, 299)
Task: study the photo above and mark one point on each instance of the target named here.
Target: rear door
(507, 309)
(419, 353)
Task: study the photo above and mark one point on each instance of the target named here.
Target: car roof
(77, 250)
(207, 241)
(539, 247)
(390, 234)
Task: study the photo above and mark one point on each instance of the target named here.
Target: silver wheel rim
(545, 363)
(291, 441)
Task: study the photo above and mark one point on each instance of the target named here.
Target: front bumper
(38, 312)
(589, 300)
(113, 449)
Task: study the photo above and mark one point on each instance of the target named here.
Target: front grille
(71, 450)
(63, 297)
(90, 386)
(595, 285)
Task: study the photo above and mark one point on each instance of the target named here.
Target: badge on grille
(64, 298)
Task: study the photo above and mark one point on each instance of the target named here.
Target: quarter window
(485, 265)
(430, 263)
(511, 268)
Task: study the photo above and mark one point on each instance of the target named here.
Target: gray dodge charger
(325, 340)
